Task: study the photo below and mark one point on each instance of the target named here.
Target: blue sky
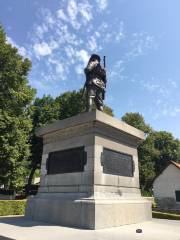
(141, 40)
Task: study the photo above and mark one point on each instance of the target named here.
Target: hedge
(154, 204)
(163, 215)
(12, 207)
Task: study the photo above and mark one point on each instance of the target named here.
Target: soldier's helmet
(95, 57)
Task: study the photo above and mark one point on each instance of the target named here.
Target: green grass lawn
(12, 207)
(165, 215)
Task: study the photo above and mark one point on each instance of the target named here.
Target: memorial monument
(89, 170)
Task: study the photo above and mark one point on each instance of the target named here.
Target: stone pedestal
(89, 174)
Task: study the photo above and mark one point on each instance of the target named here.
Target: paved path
(21, 229)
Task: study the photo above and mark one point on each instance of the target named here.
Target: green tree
(43, 111)
(147, 153)
(155, 152)
(15, 123)
(168, 149)
(72, 103)
(136, 120)
(146, 150)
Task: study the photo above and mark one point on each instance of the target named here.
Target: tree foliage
(136, 120)
(43, 111)
(155, 152)
(168, 149)
(72, 103)
(15, 123)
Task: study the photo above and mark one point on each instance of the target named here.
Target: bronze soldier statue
(95, 84)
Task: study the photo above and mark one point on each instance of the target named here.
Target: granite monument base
(89, 213)
(89, 174)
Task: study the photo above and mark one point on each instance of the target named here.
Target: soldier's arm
(102, 74)
(86, 70)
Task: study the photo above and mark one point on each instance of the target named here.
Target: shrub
(12, 207)
(146, 193)
(154, 204)
(163, 215)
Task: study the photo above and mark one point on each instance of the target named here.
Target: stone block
(97, 194)
(64, 179)
(89, 213)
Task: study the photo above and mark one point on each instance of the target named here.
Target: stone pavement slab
(19, 228)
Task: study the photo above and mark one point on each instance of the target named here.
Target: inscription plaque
(117, 163)
(66, 161)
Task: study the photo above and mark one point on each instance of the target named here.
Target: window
(177, 196)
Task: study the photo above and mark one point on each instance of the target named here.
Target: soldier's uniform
(95, 82)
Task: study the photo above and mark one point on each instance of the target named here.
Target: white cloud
(102, 4)
(61, 15)
(40, 30)
(166, 110)
(116, 71)
(53, 44)
(85, 10)
(21, 50)
(10, 41)
(157, 86)
(79, 69)
(92, 44)
(110, 33)
(70, 53)
(97, 34)
(59, 68)
(119, 34)
(83, 55)
(172, 83)
(177, 109)
(48, 17)
(163, 95)
(42, 49)
(140, 44)
(72, 10)
(151, 86)
(79, 13)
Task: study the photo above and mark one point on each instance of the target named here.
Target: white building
(166, 187)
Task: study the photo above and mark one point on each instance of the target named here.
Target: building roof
(176, 164)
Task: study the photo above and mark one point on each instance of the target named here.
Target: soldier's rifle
(104, 63)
